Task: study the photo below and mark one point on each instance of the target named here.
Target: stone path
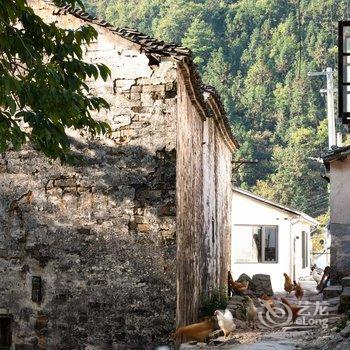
(299, 335)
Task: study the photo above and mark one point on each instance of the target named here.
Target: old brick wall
(101, 235)
(203, 181)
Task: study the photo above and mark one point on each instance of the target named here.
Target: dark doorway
(5, 332)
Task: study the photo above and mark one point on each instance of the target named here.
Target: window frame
(262, 244)
(342, 85)
(304, 250)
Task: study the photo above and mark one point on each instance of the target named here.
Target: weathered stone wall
(340, 218)
(203, 181)
(101, 235)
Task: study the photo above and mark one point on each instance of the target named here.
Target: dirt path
(317, 318)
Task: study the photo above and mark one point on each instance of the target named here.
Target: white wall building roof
(304, 216)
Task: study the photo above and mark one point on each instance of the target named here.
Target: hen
(239, 287)
(268, 300)
(299, 292)
(288, 285)
(295, 309)
(251, 312)
(225, 321)
(196, 331)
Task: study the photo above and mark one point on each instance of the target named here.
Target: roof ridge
(274, 203)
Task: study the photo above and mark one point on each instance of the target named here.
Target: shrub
(216, 299)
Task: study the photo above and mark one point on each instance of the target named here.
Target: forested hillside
(257, 54)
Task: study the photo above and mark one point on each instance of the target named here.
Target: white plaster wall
(340, 192)
(250, 211)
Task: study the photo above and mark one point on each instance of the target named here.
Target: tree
(200, 39)
(42, 88)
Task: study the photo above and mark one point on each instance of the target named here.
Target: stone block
(243, 278)
(143, 227)
(345, 300)
(262, 284)
(345, 332)
(345, 282)
(332, 292)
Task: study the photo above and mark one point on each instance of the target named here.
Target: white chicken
(225, 321)
(316, 276)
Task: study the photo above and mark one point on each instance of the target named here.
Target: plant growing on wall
(42, 82)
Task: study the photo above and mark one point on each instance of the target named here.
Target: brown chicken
(251, 312)
(294, 308)
(288, 285)
(268, 300)
(235, 286)
(196, 331)
(239, 287)
(299, 292)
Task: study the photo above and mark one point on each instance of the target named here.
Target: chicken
(299, 292)
(239, 287)
(288, 285)
(317, 277)
(251, 312)
(294, 308)
(268, 300)
(196, 331)
(235, 286)
(225, 321)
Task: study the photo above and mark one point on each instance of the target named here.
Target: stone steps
(332, 292)
(342, 291)
(345, 300)
(345, 282)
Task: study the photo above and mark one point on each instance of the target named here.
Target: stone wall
(203, 181)
(142, 221)
(101, 235)
(340, 218)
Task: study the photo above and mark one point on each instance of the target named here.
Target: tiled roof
(334, 154)
(158, 47)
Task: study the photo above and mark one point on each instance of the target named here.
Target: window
(36, 289)
(255, 244)
(304, 249)
(344, 71)
(5, 332)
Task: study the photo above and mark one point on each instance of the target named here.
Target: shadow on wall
(101, 235)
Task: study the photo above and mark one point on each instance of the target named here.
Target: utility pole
(333, 138)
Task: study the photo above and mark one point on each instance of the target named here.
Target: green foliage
(216, 299)
(199, 38)
(342, 324)
(249, 50)
(42, 88)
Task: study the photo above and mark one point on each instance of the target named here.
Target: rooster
(295, 309)
(225, 321)
(251, 312)
(299, 292)
(288, 285)
(196, 331)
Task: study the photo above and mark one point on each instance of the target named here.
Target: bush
(216, 299)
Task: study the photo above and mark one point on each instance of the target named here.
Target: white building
(269, 238)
